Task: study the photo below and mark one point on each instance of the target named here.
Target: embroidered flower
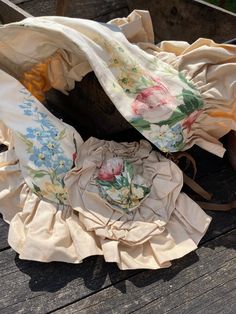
(155, 103)
(110, 169)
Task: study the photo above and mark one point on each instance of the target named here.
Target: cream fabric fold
(124, 200)
(165, 226)
(175, 94)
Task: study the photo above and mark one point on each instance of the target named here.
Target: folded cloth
(66, 200)
(128, 197)
(45, 146)
(175, 94)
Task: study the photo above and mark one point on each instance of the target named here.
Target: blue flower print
(46, 123)
(41, 156)
(43, 142)
(42, 115)
(53, 133)
(34, 133)
(28, 112)
(52, 146)
(62, 165)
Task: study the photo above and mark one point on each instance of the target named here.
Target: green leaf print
(140, 124)
(36, 189)
(27, 142)
(192, 102)
(40, 174)
(62, 134)
(184, 79)
(129, 170)
(104, 183)
(176, 116)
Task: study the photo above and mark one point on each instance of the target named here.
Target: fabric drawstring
(194, 186)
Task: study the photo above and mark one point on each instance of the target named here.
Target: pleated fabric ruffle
(164, 226)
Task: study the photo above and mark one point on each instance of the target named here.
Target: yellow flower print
(127, 81)
(60, 193)
(137, 192)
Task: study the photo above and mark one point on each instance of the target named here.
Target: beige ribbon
(197, 188)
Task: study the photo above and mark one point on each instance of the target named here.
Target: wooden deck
(202, 282)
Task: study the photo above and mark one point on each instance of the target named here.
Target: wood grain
(195, 282)
(187, 20)
(9, 12)
(32, 287)
(102, 10)
(3, 234)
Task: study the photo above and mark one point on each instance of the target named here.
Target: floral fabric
(160, 227)
(162, 92)
(66, 200)
(119, 185)
(46, 146)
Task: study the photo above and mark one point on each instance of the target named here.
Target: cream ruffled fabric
(122, 201)
(147, 222)
(176, 95)
(166, 226)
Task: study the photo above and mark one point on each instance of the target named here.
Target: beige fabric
(39, 230)
(11, 185)
(79, 47)
(211, 67)
(137, 27)
(5, 135)
(167, 224)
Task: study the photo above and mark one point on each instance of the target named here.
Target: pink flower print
(154, 99)
(187, 124)
(110, 168)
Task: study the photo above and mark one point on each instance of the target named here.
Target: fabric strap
(194, 186)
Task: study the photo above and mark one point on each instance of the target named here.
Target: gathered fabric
(66, 199)
(162, 225)
(175, 94)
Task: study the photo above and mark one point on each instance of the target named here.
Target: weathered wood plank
(216, 176)
(94, 9)
(187, 20)
(211, 269)
(31, 287)
(9, 12)
(3, 234)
